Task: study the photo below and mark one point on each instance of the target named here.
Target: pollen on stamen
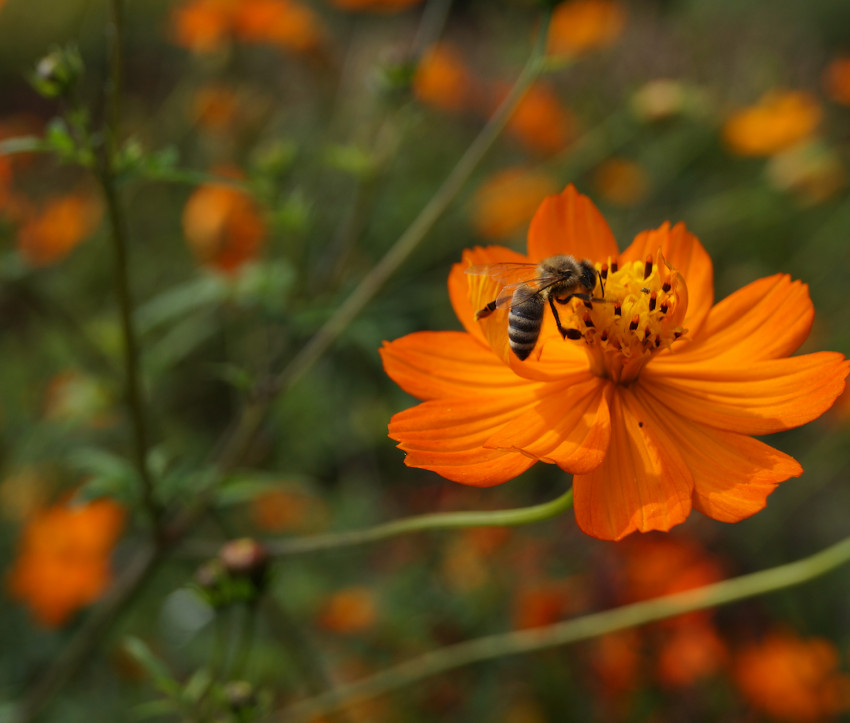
(666, 287)
(647, 269)
(663, 308)
(614, 267)
(603, 272)
(618, 310)
(653, 299)
(634, 323)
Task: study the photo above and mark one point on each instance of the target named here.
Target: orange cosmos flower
(507, 200)
(56, 230)
(351, 610)
(621, 182)
(540, 122)
(649, 400)
(792, 678)
(203, 25)
(63, 564)
(778, 121)
(580, 26)
(378, 6)
(442, 80)
(836, 80)
(223, 227)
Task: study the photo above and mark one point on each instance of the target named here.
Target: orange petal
(767, 319)
(569, 223)
(759, 398)
(447, 437)
(569, 426)
(683, 251)
(733, 473)
(643, 483)
(433, 364)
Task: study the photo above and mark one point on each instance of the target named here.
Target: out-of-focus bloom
(652, 397)
(621, 182)
(778, 121)
(223, 227)
(541, 123)
(288, 509)
(690, 653)
(205, 26)
(836, 80)
(351, 610)
(379, 6)
(659, 100)
(283, 23)
(792, 679)
(57, 228)
(443, 81)
(215, 108)
(812, 172)
(76, 398)
(466, 563)
(63, 563)
(579, 26)
(543, 603)
(616, 661)
(505, 202)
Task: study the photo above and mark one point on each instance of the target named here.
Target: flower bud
(57, 72)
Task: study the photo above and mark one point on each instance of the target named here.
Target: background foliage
(337, 142)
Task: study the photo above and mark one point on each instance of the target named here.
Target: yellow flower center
(640, 314)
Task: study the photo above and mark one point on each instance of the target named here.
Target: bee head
(588, 275)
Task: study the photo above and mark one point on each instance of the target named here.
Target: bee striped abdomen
(524, 322)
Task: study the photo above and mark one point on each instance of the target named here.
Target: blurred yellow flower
(506, 201)
(778, 121)
(580, 26)
(812, 172)
(63, 563)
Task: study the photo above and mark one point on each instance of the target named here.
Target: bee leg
(557, 318)
(486, 311)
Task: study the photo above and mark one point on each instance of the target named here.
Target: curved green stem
(436, 521)
(571, 631)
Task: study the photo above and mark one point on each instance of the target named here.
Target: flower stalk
(492, 647)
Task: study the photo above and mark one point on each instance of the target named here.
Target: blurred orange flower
(836, 80)
(580, 26)
(778, 121)
(791, 678)
(284, 23)
(223, 227)
(507, 200)
(621, 182)
(51, 233)
(442, 80)
(540, 122)
(690, 653)
(63, 563)
(215, 108)
(351, 610)
(811, 171)
(288, 508)
(380, 6)
(649, 399)
(204, 26)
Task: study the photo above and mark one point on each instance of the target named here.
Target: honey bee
(557, 278)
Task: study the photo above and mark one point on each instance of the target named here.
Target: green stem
(437, 521)
(590, 626)
(117, 224)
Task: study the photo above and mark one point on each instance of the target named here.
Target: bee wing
(520, 283)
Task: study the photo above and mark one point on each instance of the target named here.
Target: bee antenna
(601, 282)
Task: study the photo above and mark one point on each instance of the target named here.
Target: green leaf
(177, 302)
(23, 144)
(154, 667)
